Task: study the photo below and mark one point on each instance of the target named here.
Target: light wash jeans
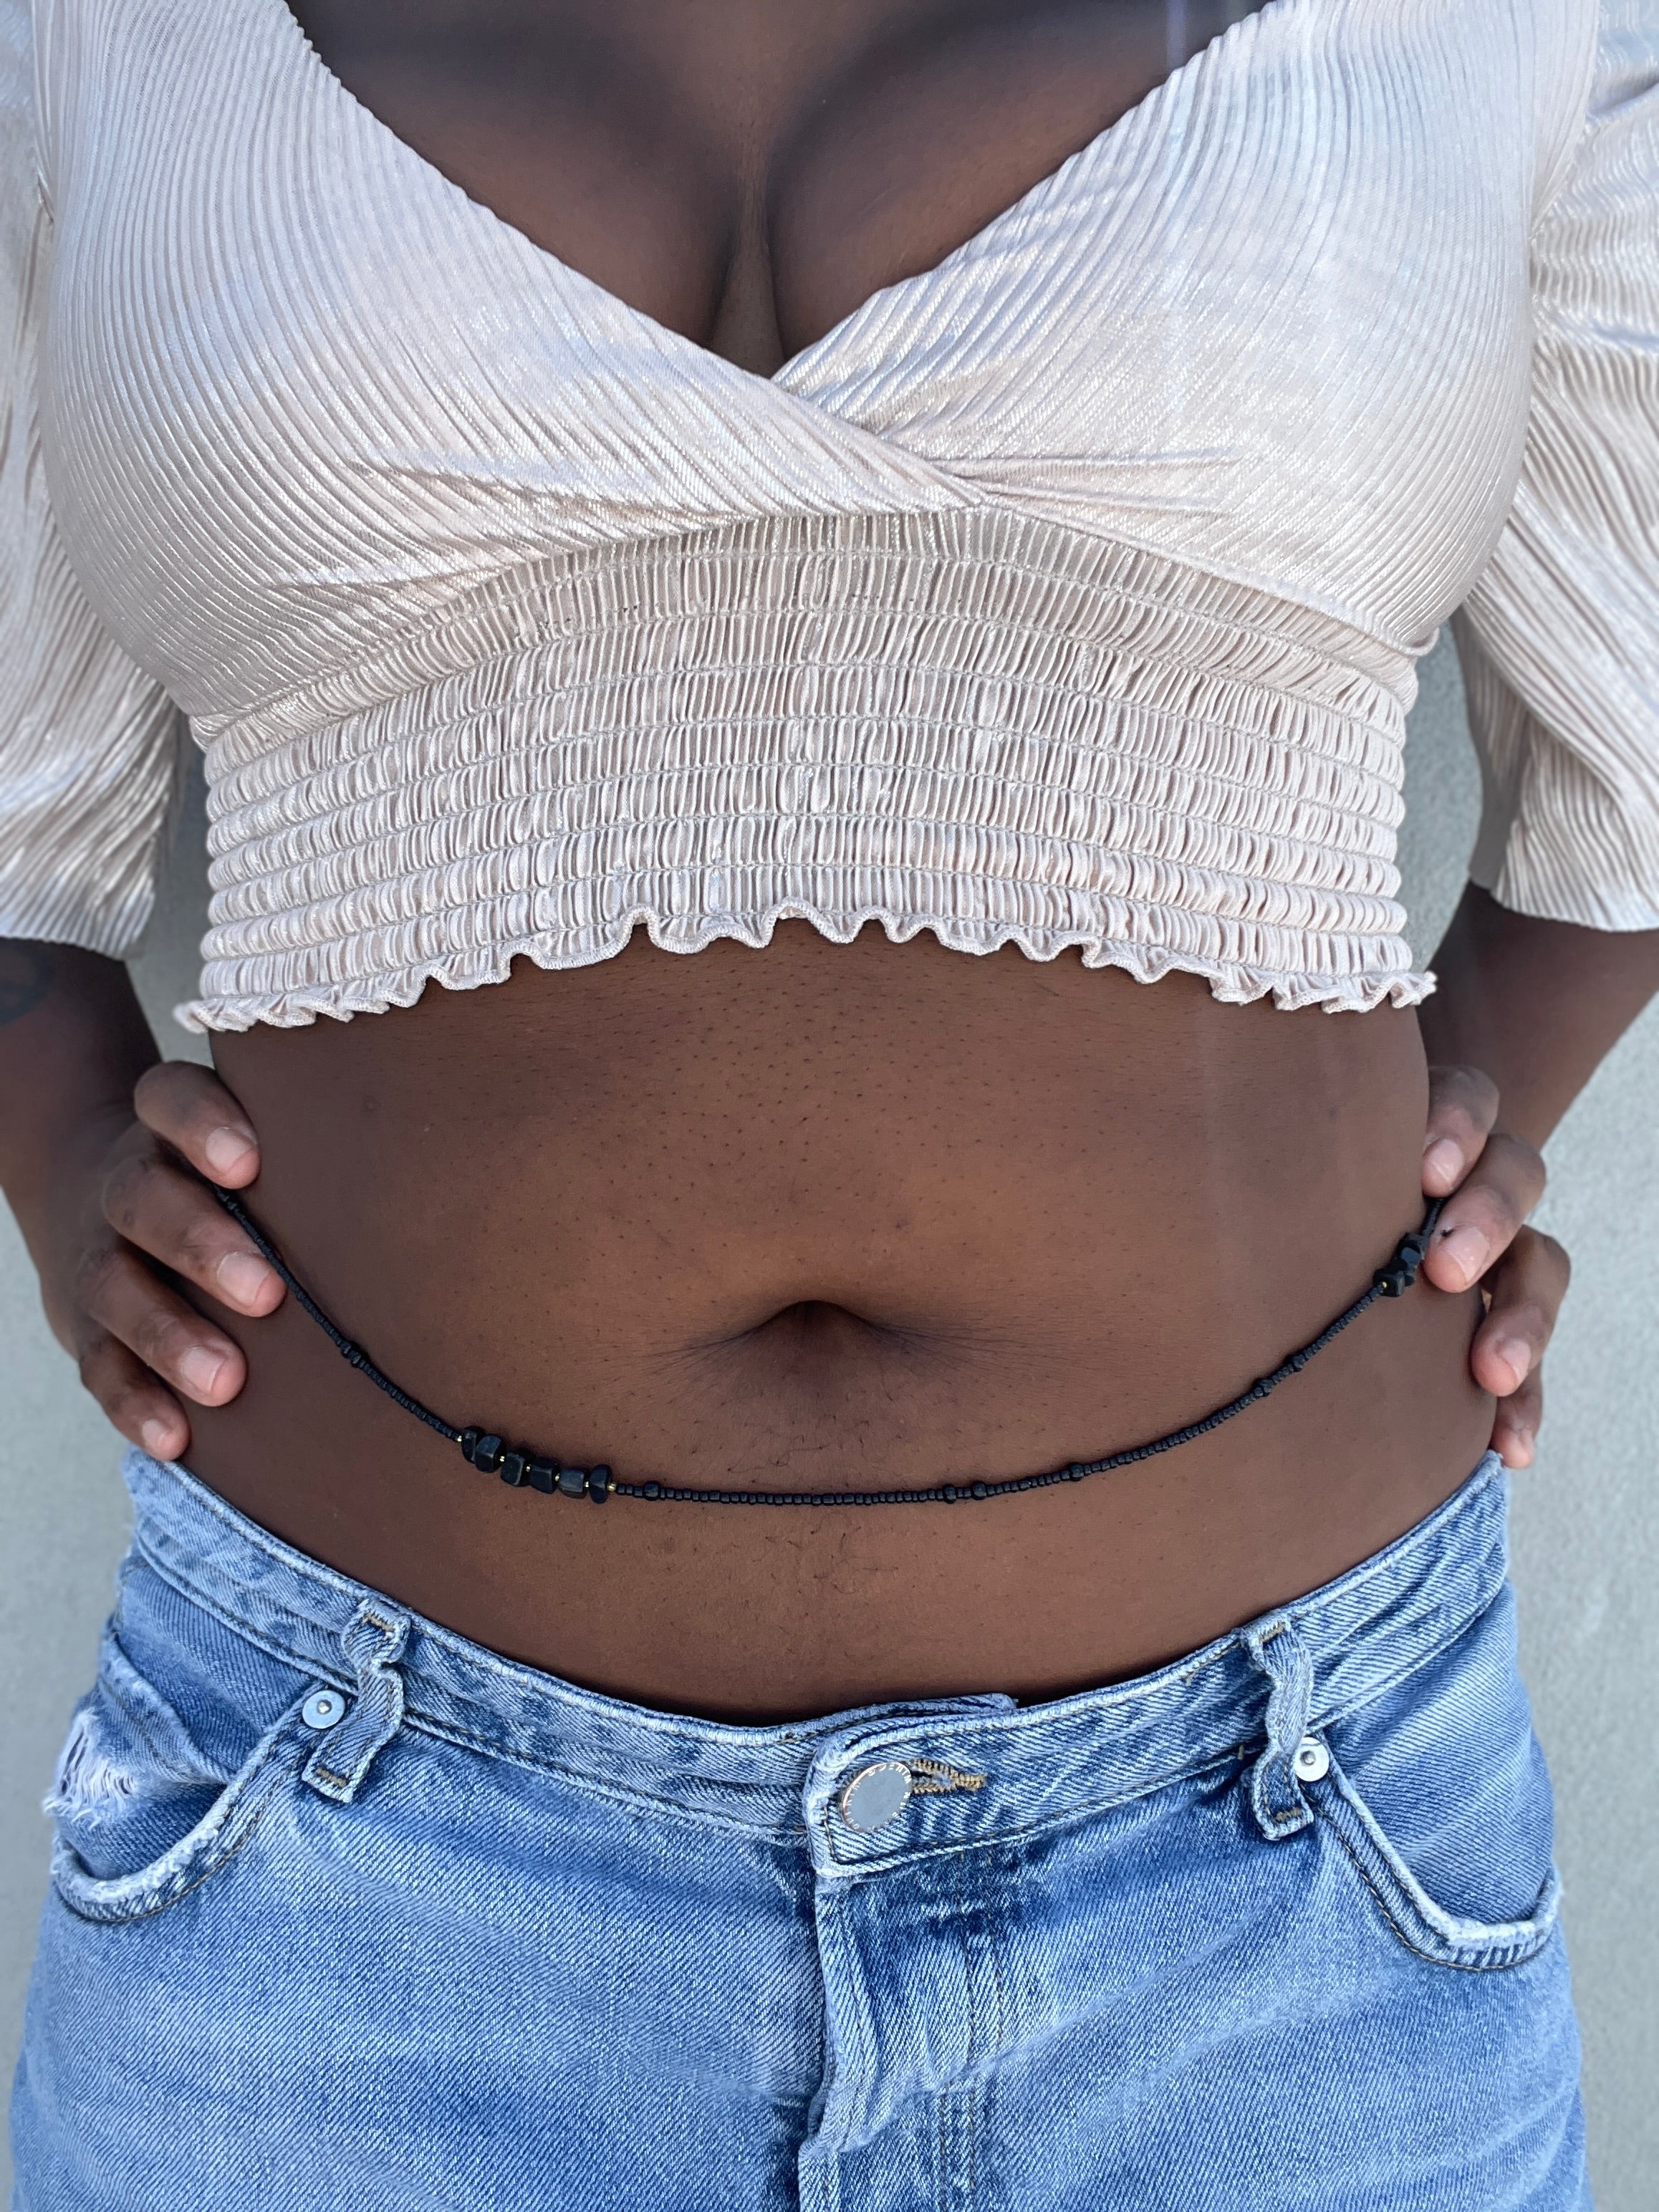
(349, 1914)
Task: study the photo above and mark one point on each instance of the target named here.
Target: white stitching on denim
(933, 1777)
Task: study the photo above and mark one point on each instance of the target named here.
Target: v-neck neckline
(783, 379)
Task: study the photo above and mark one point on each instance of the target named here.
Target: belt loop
(1276, 1795)
(372, 1645)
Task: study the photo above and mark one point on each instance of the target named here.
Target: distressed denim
(349, 1913)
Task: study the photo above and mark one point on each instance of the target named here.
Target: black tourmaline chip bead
(541, 1474)
(572, 1481)
(468, 1441)
(598, 1484)
(512, 1467)
(487, 1454)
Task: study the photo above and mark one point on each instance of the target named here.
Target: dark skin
(818, 1216)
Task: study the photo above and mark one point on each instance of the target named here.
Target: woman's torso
(821, 1215)
(831, 1217)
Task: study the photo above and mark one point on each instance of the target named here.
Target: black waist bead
(521, 1468)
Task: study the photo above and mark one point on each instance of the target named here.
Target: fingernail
(158, 1437)
(1466, 1248)
(245, 1279)
(1516, 1356)
(200, 1368)
(1444, 1160)
(226, 1149)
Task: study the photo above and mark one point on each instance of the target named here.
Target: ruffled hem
(1233, 982)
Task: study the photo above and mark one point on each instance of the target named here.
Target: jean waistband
(985, 1768)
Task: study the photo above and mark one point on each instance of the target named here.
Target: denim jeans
(349, 1913)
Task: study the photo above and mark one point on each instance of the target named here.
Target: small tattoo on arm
(27, 973)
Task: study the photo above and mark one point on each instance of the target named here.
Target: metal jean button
(875, 1795)
(1312, 1761)
(322, 1708)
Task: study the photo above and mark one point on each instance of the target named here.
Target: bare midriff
(834, 1216)
(820, 1215)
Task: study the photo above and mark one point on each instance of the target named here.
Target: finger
(1484, 1215)
(1516, 1424)
(1462, 1113)
(189, 1107)
(166, 1214)
(145, 1413)
(118, 1292)
(1527, 1287)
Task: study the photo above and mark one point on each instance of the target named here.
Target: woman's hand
(129, 1202)
(1491, 1182)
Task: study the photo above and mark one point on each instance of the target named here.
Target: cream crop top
(1065, 595)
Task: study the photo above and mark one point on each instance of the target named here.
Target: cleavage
(747, 173)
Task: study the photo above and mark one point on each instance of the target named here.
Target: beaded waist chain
(517, 1465)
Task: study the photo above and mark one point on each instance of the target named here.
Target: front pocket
(1438, 1796)
(1423, 1926)
(142, 1814)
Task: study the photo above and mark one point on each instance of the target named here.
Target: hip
(345, 1904)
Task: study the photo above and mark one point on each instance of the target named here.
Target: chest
(746, 171)
(303, 385)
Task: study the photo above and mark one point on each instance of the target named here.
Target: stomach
(825, 1217)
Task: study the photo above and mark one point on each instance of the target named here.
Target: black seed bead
(513, 1468)
(652, 1490)
(572, 1480)
(469, 1444)
(598, 1484)
(949, 1493)
(487, 1454)
(541, 1474)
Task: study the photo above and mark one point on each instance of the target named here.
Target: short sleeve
(1559, 639)
(90, 749)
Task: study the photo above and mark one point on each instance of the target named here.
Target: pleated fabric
(1065, 595)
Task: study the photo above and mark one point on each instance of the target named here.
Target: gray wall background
(1587, 1521)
